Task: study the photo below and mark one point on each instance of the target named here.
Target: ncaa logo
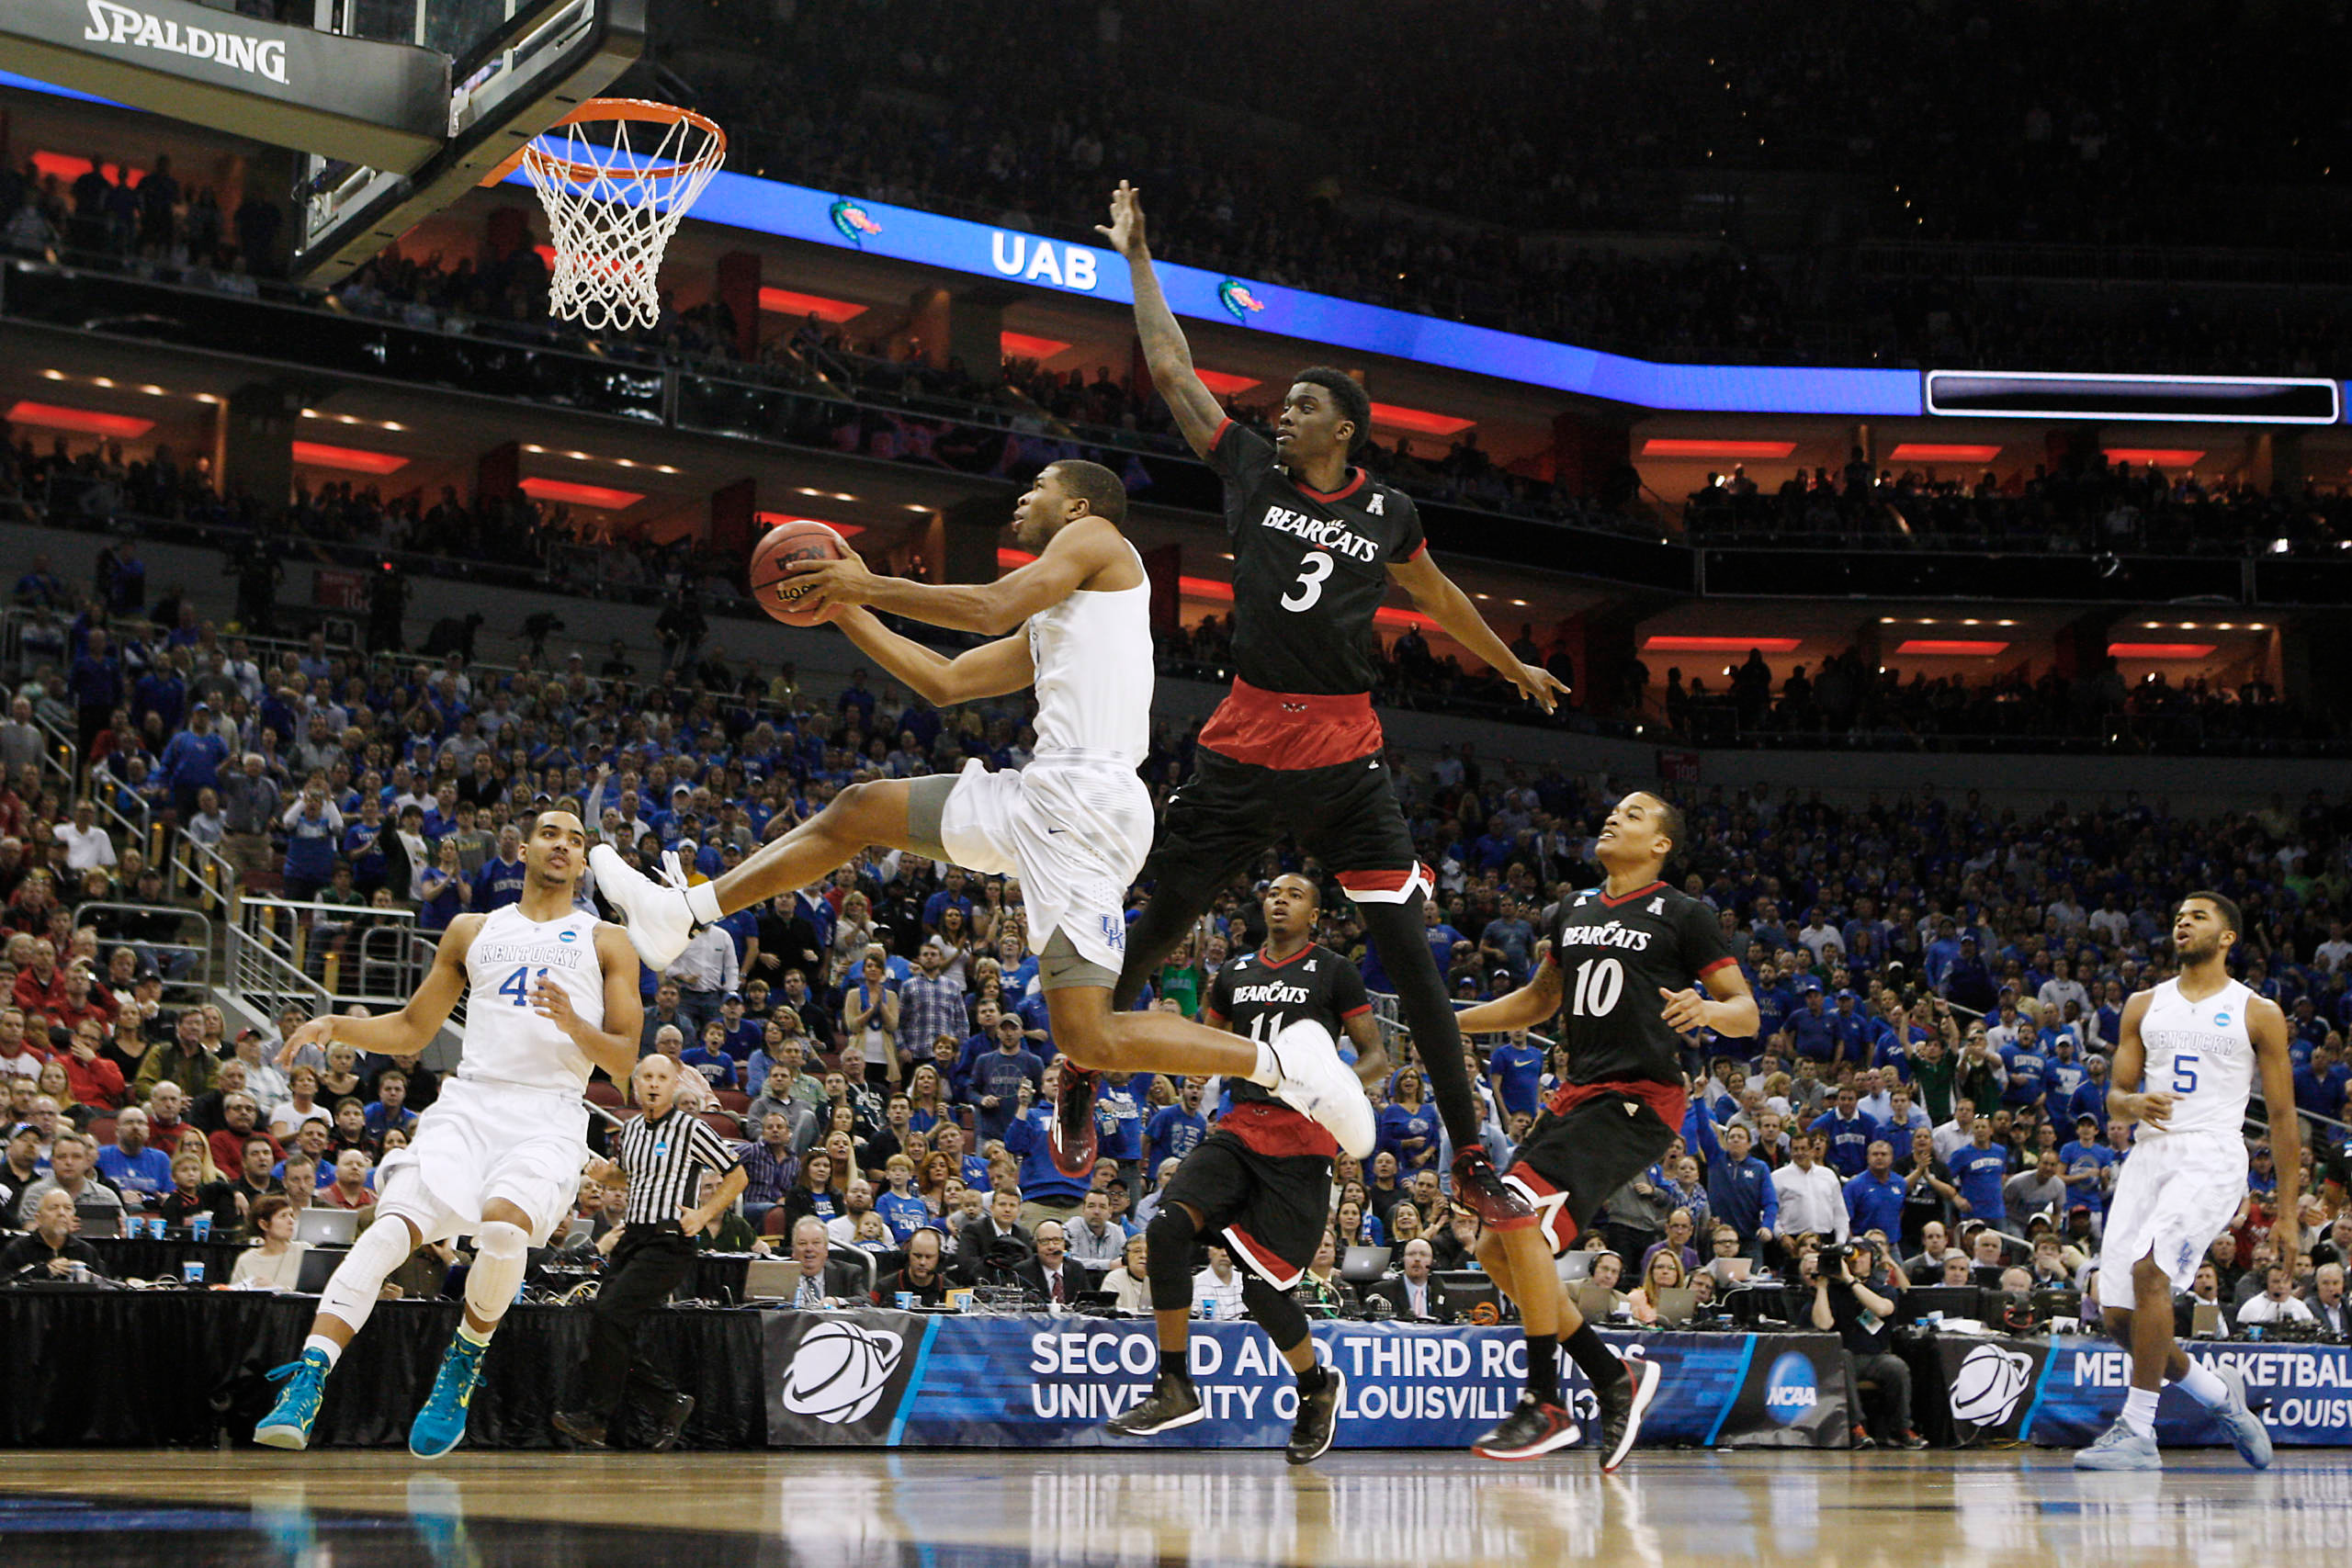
(1789, 1389)
(567, 936)
(1990, 1381)
(2221, 1019)
(839, 1371)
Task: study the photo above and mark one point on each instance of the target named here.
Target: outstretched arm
(411, 1029)
(1070, 559)
(1444, 602)
(1164, 348)
(991, 669)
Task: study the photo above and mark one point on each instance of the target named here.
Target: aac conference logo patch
(1789, 1389)
(1985, 1391)
(853, 222)
(1239, 301)
(839, 1371)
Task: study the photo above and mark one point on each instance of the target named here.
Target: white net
(613, 206)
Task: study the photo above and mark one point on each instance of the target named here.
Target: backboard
(515, 67)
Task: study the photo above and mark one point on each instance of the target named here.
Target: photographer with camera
(1843, 1301)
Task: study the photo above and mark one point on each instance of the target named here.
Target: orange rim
(640, 109)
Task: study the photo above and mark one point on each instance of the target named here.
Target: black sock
(1312, 1379)
(1586, 1349)
(1395, 933)
(1543, 1367)
(1171, 1365)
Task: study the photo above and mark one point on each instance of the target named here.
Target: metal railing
(186, 966)
(310, 952)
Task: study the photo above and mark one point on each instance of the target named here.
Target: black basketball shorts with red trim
(1593, 1140)
(1271, 1210)
(1345, 815)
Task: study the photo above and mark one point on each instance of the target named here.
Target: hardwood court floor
(991, 1509)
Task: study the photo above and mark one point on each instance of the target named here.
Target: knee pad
(350, 1294)
(1275, 1311)
(500, 1252)
(1168, 1258)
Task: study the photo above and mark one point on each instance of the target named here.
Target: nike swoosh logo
(1057, 830)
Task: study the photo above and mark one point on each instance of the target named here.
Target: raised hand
(1537, 685)
(1125, 231)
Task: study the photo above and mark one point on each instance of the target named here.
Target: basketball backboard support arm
(357, 100)
(546, 59)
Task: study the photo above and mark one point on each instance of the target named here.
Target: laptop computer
(771, 1280)
(577, 1232)
(99, 1220)
(1731, 1271)
(1363, 1265)
(1597, 1302)
(318, 1266)
(1575, 1266)
(327, 1227)
(2204, 1320)
(1677, 1303)
(1469, 1289)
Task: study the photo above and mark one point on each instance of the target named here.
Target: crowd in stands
(1939, 979)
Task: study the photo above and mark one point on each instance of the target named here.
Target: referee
(660, 1158)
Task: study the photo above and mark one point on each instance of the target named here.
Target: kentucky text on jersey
(561, 955)
(1610, 935)
(1322, 533)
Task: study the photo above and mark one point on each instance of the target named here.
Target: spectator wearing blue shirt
(951, 893)
(1515, 1071)
(389, 1111)
(1440, 934)
(313, 825)
(1809, 1026)
(135, 1167)
(2320, 1084)
(95, 681)
(743, 1034)
(501, 880)
(2085, 1162)
(1978, 1168)
(1045, 1192)
(1875, 1198)
(191, 760)
(1175, 1131)
(1118, 1124)
(1740, 1193)
(1408, 1125)
(901, 1206)
(2090, 1097)
(1851, 1030)
(707, 1055)
(2028, 1072)
(1849, 1132)
(994, 1084)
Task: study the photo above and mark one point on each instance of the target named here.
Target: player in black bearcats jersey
(1296, 747)
(1623, 972)
(1262, 1182)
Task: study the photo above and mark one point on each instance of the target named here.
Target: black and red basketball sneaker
(1478, 1188)
(1534, 1428)
(1072, 1140)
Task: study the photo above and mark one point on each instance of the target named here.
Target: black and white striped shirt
(665, 1160)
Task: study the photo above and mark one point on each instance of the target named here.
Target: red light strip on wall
(786, 302)
(2161, 456)
(1676, 446)
(1952, 647)
(1720, 644)
(598, 496)
(348, 459)
(87, 421)
(779, 519)
(2159, 649)
(1931, 452)
(1224, 383)
(1421, 422)
(1025, 345)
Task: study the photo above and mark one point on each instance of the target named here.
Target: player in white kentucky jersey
(551, 993)
(2185, 1060)
(1074, 824)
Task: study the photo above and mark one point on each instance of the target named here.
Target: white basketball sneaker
(1320, 1084)
(659, 923)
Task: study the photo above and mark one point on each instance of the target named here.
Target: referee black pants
(649, 1263)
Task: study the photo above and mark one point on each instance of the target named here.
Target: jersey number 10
(1599, 983)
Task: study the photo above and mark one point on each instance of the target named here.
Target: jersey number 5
(518, 986)
(2184, 1075)
(1309, 587)
(1599, 983)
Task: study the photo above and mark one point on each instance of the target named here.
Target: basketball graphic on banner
(838, 1370)
(1985, 1391)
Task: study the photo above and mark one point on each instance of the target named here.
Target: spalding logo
(840, 1371)
(1789, 1390)
(1985, 1391)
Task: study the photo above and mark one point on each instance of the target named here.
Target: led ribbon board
(2169, 399)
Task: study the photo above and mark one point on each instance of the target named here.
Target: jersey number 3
(1309, 587)
(518, 986)
(1599, 983)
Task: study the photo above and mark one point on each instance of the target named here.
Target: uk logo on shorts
(1114, 933)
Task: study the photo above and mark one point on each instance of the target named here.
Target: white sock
(2140, 1411)
(702, 902)
(1267, 1073)
(2199, 1383)
(472, 1336)
(324, 1346)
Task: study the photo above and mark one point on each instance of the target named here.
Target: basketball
(772, 585)
(840, 1371)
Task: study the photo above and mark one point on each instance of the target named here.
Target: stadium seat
(101, 1131)
(607, 1095)
(733, 1100)
(725, 1123)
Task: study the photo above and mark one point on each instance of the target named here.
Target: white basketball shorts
(2175, 1193)
(1075, 833)
(481, 1141)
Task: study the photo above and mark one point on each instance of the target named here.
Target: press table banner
(2062, 1392)
(899, 1379)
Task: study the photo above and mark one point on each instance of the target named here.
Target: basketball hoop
(612, 207)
